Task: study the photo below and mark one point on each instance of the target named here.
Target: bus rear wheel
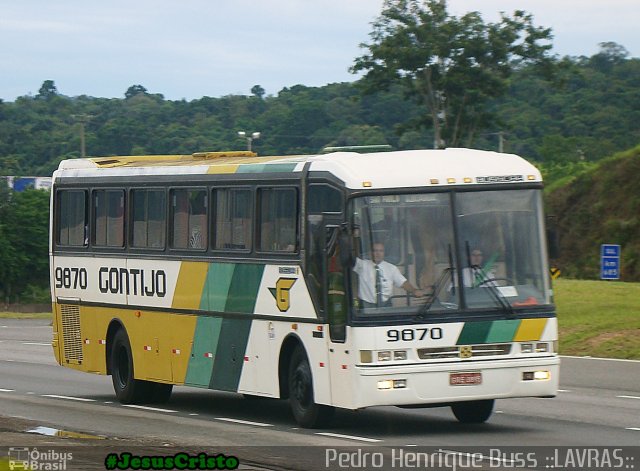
(307, 413)
(473, 412)
(128, 389)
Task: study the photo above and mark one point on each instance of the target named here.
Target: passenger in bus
(377, 278)
(195, 240)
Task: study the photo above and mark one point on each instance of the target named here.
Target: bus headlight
(399, 355)
(384, 355)
(392, 384)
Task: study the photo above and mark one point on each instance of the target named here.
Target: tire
(473, 412)
(306, 412)
(128, 389)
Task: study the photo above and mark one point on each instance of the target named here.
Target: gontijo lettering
(134, 281)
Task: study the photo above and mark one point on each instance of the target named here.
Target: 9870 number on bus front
(407, 335)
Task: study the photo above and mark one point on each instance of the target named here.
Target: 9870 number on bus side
(71, 278)
(407, 335)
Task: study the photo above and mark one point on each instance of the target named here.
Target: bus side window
(108, 221)
(189, 219)
(233, 226)
(73, 218)
(149, 218)
(278, 219)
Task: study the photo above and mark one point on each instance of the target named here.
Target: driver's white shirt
(391, 276)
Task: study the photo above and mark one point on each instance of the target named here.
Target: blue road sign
(609, 262)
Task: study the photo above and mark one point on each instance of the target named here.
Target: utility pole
(82, 119)
(501, 142)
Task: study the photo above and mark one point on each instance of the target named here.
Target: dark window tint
(233, 219)
(149, 210)
(189, 219)
(72, 218)
(278, 219)
(324, 199)
(108, 229)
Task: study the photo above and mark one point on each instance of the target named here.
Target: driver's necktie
(378, 286)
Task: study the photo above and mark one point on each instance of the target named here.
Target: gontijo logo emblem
(281, 293)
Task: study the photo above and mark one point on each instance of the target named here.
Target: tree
(452, 66)
(134, 90)
(47, 91)
(258, 91)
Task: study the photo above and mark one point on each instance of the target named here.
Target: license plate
(465, 379)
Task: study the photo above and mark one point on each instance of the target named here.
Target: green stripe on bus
(266, 168)
(474, 332)
(216, 287)
(205, 345)
(503, 331)
(243, 290)
(229, 357)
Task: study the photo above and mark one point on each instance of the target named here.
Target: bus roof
(412, 168)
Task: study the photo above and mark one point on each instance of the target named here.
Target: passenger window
(72, 218)
(108, 224)
(233, 228)
(189, 219)
(278, 219)
(149, 219)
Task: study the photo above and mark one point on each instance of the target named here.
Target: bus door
(336, 302)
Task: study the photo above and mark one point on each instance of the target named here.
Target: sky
(188, 49)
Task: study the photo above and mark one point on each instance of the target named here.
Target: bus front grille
(71, 337)
(465, 351)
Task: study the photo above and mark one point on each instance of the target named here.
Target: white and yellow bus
(234, 272)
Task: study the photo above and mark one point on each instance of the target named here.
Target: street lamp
(255, 135)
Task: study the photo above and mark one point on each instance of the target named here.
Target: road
(598, 405)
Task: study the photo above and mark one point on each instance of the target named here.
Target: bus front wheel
(473, 412)
(307, 413)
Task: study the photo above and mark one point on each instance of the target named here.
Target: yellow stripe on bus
(530, 329)
(214, 169)
(190, 285)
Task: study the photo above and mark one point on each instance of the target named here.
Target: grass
(23, 315)
(596, 318)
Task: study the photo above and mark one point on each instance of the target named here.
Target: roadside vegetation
(598, 318)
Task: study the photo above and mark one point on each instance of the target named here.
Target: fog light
(536, 376)
(400, 355)
(385, 384)
(542, 375)
(384, 355)
(526, 347)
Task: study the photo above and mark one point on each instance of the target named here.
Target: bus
(233, 272)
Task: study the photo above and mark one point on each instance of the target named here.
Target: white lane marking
(629, 397)
(37, 343)
(7, 390)
(598, 358)
(564, 390)
(70, 398)
(636, 429)
(155, 409)
(348, 437)
(193, 415)
(245, 422)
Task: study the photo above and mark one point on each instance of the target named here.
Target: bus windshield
(421, 254)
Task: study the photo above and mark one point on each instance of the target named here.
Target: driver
(377, 278)
(477, 275)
